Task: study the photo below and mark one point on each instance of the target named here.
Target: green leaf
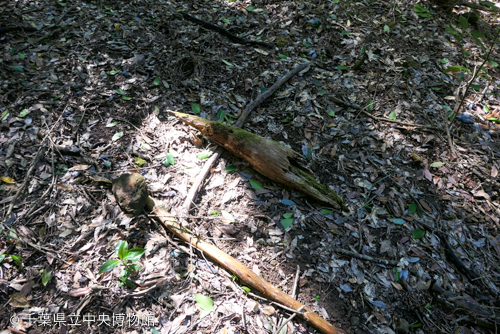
(463, 22)
(444, 61)
(369, 105)
(345, 32)
(451, 31)
(135, 267)
(330, 111)
(2, 257)
(21, 55)
(307, 44)
(288, 215)
(110, 125)
(154, 330)
(286, 223)
(230, 168)
(227, 63)
(341, 67)
(24, 113)
(437, 164)
(325, 211)
(246, 289)
(121, 249)
(214, 212)
(120, 91)
(322, 92)
(206, 303)
(421, 11)
(282, 56)
(17, 259)
(126, 272)
(493, 119)
(256, 184)
(114, 72)
(489, 4)
(412, 208)
(46, 276)
(486, 108)
(204, 155)
(166, 85)
(109, 266)
(477, 33)
(250, 8)
(455, 69)
(417, 233)
(117, 136)
(5, 114)
(386, 28)
(127, 282)
(156, 81)
(139, 161)
(493, 63)
(398, 221)
(169, 160)
(134, 254)
(195, 107)
(126, 98)
(17, 68)
(392, 115)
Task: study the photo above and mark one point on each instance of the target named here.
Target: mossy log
(271, 159)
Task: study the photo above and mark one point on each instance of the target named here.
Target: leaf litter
(90, 90)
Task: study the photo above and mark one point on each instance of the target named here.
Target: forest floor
(397, 112)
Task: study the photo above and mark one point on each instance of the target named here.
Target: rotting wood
(235, 267)
(241, 120)
(271, 159)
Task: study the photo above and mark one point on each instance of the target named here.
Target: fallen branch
(271, 159)
(241, 120)
(243, 273)
(224, 32)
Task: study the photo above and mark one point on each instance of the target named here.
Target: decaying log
(235, 267)
(269, 158)
(239, 123)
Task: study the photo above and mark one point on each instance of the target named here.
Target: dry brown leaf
(80, 292)
(18, 300)
(494, 171)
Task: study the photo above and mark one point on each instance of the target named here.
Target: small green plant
(126, 258)
(397, 274)
(316, 297)
(427, 308)
(46, 275)
(288, 220)
(421, 11)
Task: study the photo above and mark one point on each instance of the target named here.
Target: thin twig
(296, 282)
(39, 154)
(381, 119)
(288, 320)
